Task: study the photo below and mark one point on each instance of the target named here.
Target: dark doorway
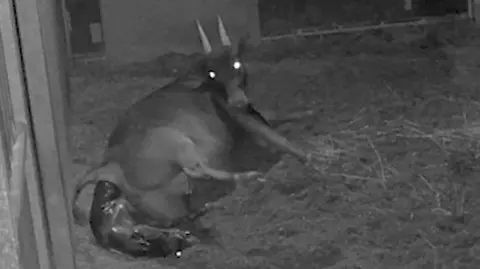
(86, 36)
(441, 7)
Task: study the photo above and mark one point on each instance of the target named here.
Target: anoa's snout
(236, 97)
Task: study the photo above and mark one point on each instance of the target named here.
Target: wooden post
(407, 5)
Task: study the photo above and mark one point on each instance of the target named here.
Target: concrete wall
(140, 30)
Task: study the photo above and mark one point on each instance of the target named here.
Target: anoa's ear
(200, 66)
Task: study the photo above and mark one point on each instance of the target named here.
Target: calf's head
(223, 71)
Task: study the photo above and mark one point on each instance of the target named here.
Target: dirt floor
(395, 131)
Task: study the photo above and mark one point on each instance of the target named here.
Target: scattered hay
(393, 184)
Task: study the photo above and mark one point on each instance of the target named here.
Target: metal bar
(11, 87)
(41, 34)
(476, 10)
(13, 75)
(471, 14)
(68, 28)
(423, 21)
(6, 110)
(33, 240)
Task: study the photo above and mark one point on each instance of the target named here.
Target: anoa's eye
(178, 254)
(237, 65)
(212, 74)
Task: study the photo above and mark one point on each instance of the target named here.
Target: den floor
(395, 129)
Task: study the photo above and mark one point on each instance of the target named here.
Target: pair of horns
(223, 36)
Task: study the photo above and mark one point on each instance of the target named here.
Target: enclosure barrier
(35, 225)
(341, 30)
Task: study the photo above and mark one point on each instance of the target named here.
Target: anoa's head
(223, 70)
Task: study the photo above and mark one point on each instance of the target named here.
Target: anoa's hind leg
(207, 234)
(195, 165)
(194, 215)
(204, 192)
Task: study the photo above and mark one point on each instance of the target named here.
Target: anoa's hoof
(250, 175)
(154, 242)
(207, 235)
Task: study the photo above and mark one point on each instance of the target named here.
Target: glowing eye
(211, 74)
(237, 65)
(178, 254)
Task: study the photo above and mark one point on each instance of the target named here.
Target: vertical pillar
(474, 9)
(42, 42)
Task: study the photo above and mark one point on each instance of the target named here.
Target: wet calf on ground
(115, 228)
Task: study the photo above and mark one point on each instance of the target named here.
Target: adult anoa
(177, 142)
